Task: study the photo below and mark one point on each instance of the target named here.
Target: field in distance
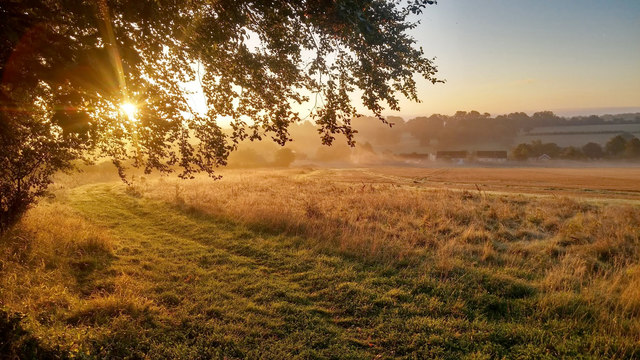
(597, 182)
(381, 263)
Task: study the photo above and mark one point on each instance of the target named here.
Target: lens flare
(129, 110)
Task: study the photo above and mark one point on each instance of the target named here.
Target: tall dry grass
(50, 241)
(579, 255)
(51, 268)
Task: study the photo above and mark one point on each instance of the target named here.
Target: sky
(501, 56)
(573, 57)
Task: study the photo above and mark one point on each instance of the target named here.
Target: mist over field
(419, 141)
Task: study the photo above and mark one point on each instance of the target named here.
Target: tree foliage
(284, 157)
(616, 145)
(32, 151)
(632, 148)
(257, 59)
(68, 66)
(593, 150)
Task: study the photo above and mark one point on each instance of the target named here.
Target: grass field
(330, 263)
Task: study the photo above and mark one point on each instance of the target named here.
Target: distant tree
(616, 146)
(426, 129)
(106, 78)
(247, 158)
(546, 118)
(381, 134)
(539, 148)
(367, 147)
(585, 120)
(522, 152)
(284, 157)
(593, 150)
(571, 153)
(336, 153)
(632, 148)
(551, 149)
(535, 149)
(518, 119)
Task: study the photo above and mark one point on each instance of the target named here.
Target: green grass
(180, 284)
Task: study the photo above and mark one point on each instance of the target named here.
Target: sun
(129, 110)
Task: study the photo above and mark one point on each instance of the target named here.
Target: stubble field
(331, 263)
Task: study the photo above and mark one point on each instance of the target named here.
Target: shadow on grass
(18, 343)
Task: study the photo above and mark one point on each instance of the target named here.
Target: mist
(464, 138)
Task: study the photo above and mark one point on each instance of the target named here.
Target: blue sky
(501, 56)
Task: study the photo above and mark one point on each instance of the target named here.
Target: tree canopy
(82, 79)
(72, 64)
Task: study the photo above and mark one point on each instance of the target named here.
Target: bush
(30, 153)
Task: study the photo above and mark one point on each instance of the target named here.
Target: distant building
(491, 156)
(414, 157)
(455, 156)
(544, 157)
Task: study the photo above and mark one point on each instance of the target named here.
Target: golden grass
(569, 263)
(564, 245)
(44, 248)
(51, 268)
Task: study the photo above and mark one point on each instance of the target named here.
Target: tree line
(618, 147)
(461, 131)
(468, 129)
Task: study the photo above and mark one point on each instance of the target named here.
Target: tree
(426, 129)
(247, 158)
(522, 152)
(31, 154)
(381, 134)
(616, 146)
(593, 150)
(546, 118)
(107, 77)
(551, 149)
(284, 157)
(632, 148)
(571, 153)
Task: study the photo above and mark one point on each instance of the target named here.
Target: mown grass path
(214, 289)
(224, 290)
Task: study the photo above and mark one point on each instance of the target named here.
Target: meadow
(376, 263)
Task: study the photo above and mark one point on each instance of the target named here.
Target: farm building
(452, 155)
(491, 156)
(414, 157)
